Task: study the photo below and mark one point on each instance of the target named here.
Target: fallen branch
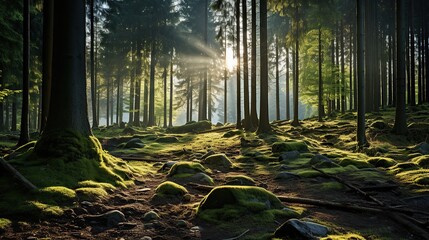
(239, 236)
(21, 179)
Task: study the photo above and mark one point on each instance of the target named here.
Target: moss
(279, 147)
(309, 173)
(91, 194)
(400, 167)
(92, 184)
(422, 161)
(239, 180)
(47, 210)
(326, 186)
(191, 127)
(348, 236)
(417, 177)
(381, 162)
(170, 189)
(355, 162)
(218, 161)
(57, 195)
(227, 203)
(232, 133)
(186, 168)
(4, 223)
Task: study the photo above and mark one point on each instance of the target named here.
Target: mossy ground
(390, 159)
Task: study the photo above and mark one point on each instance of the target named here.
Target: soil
(178, 218)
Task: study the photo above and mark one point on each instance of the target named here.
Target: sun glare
(231, 62)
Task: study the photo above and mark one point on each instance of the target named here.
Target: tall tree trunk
(370, 62)
(119, 106)
(7, 115)
(247, 120)
(108, 109)
(164, 75)
(383, 71)
(204, 102)
(361, 138)
(337, 67)
(24, 136)
(333, 77)
(153, 62)
(191, 98)
(187, 100)
(225, 82)
(351, 68)
(427, 59)
(400, 126)
(420, 83)
(2, 103)
(295, 121)
(253, 108)
(170, 115)
(92, 64)
(343, 72)
(264, 124)
(14, 117)
(412, 81)
(390, 73)
(287, 85)
(48, 27)
(277, 80)
(237, 16)
(139, 75)
(132, 88)
(320, 95)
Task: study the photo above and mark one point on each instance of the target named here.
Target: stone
(202, 178)
(181, 223)
(280, 147)
(318, 158)
(151, 215)
(110, 218)
(240, 180)
(289, 155)
(301, 230)
(217, 161)
(146, 238)
(423, 148)
(286, 176)
(379, 124)
(134, 143)
(168, 139)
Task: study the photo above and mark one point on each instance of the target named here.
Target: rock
(250, 143)
(279, 147)
(201, 178)
(422, 161)
(134, 143)
(169, 139)
(166, 166)
(240, 180)
(209, 153)
(379, 124)
(318, 158)
(232, 133)
(181, 224)
(218, 161)
(219, 124)
(146, 238)
(301, 230)
(151, 215)
(110, 218)
(289, 155)
(381, 162)
(186, 168)
(423, 148)
(191, 127)
(286, 176)
(170, 189)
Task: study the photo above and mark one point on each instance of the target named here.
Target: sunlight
(231, 62)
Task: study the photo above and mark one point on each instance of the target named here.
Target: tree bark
(237, 16)
(48, 27)
(139, 75)
(92, 64)
(277, 80)
(412, 80)
(153, 62)
(295, 121)
(253, 108)
(247, 120)
(287, 85)
(361, 138)
(170, 115)
(320, 97)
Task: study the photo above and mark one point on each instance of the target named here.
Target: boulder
(289, 155)
(168, 188)
(280, 147)
(240, 180)
(218, 162)
(187, 168)
(191, 127)
(110, 218)
(301, 230)
(134, 143)
(381, 162)
(151, 215)
(168, 139)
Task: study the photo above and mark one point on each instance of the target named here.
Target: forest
(214, 119)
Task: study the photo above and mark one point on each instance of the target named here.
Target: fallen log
(220, 129)
(21, 179)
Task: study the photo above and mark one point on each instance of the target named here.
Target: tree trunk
(400, 126)
(264, 124)
(2, 103)
(247, 119)
(119, 97)
(225, 83)
(164, 75)
(343, 72)
(361, 138)
(132, 89)
(287, 85)
(24, 136)
(237, 16)
(412, 80)
(351, 66)
(139, 75)
(295, 121)
(320, 97)
(170, 115)
(92, 64)
(153, 62)
(277, 80)
(390, 74)
(48, 26)
(253, 108)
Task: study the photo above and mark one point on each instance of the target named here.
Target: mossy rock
(240, 180)
(218, 161)
(57, 195)
(422, 161)
(191, 127)
(355, 162)
(279, 147)
(348, 236)
(4, 224)
(133, 143)
(404, 167)
(232, 202)
(186, 168)
(379, 124)
(170, 189)
(168, 139)
(381, 162)
(232, 133)
(91, 194)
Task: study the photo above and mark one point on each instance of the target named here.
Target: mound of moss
(279, 147)
(170, 189)
(348, 236)
(185, 169)
(240, 180)
(232, 133)
(231, 202)
(218, 161)
(191, 127)
(355, 162)
(381, 162)
(4, 224)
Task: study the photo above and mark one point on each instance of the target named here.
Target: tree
(264, 124)
(295, 121)
(92, 64)
(361, 138)
(400, 126)
(24, 136)
(247, 120)
(253, 109)
(237, 19)
(48, 25)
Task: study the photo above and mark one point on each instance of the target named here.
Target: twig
(239, 236)
(25, 182)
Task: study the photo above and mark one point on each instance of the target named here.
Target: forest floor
(392, 170)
